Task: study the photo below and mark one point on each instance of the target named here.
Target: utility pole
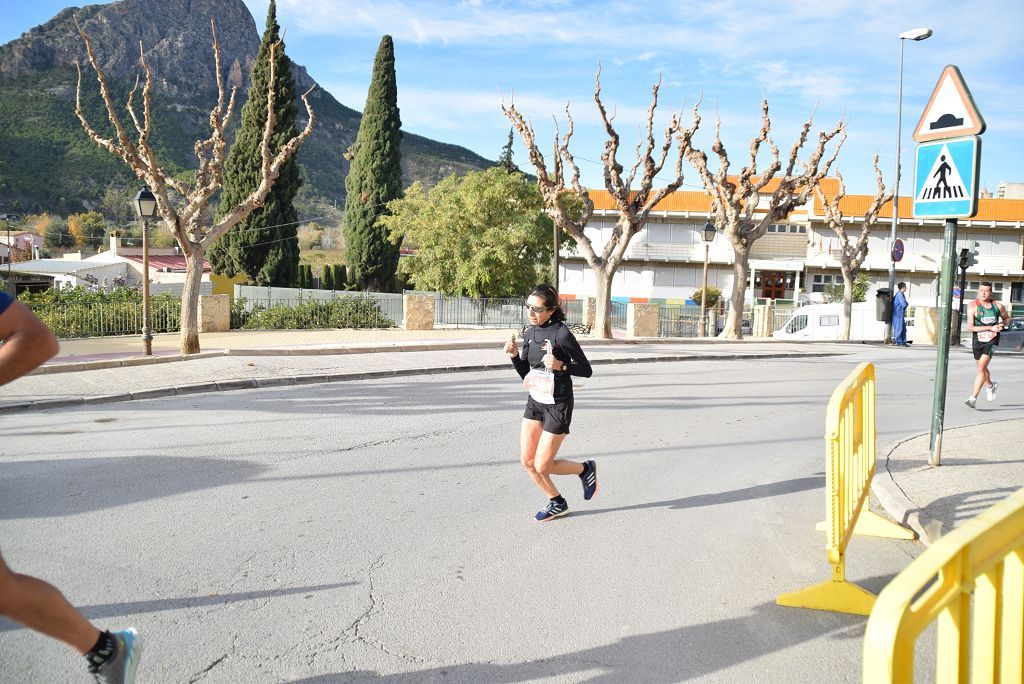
(942, 358)
(10, 254)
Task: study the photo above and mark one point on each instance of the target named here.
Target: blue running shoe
(120, 668)
(589, 478)
(554, 510)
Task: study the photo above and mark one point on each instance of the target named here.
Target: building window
(1017, 293)
(798, 229)
(820, 280)
(972, 290)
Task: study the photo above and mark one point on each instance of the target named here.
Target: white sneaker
(971, 401)
(990, 391)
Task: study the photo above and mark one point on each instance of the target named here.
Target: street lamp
(145, 208)
(709, 237)
(913, 34)
(10, 282)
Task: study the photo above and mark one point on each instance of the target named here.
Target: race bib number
(987, 335)
(541, 384)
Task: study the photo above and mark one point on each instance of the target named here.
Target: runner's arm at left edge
(27, 343)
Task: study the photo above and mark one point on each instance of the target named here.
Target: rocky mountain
(46, 161)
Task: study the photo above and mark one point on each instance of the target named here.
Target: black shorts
(556, 417)
(985, 349)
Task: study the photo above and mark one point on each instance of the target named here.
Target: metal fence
(780, 316)
(678, 320)
(389, 303)
(619, 314)
(465, 312)
(69, 320)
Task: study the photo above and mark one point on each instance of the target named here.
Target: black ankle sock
(558, 499)
(103, 650)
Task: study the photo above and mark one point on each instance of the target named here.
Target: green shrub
(345, 312)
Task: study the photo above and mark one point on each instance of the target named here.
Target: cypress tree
(505, 160)
(328, 277)
(374, 179)
(340, 277)
(265, 246)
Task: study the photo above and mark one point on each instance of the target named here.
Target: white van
(822, 322)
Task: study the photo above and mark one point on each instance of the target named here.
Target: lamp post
(10, 283)
(145, 208)
(913, 34)
(709, 237)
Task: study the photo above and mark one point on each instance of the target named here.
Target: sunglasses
(537, 309)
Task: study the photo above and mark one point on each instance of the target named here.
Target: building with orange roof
(798, 259)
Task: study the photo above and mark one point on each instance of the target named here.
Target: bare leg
(983, 378)
(40, 606)
(529, 436)
(546, 463)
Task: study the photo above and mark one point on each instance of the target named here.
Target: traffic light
(969, 256)
(972, 254)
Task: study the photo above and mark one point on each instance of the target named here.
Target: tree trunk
(733, 329)
(603, 305)
(844, 331)
(190, 303)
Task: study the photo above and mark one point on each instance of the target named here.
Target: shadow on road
(670, 656)
(67, 487)
(111, 610)
(732, 496)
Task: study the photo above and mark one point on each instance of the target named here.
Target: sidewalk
(981, 465)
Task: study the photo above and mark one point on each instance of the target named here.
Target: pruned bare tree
(736, 200)
(183, 208)
(851, 256)
(633, 206)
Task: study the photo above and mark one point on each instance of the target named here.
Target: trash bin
(883, 304)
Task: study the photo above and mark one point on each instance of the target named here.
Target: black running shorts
(555, 417)
(986, 349)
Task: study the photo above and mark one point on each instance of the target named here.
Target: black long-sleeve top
(564, 347)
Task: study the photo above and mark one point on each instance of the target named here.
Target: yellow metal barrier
(983, 557)
(850, 449)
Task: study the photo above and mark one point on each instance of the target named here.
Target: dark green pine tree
(264, 247)
(505, 160)
(374, 179)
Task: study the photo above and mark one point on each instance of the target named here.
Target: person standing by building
(986, 318)
(899, 312)
(549, 358)
(112, 658)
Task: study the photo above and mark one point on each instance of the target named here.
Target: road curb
(900, 507)
(257, 383)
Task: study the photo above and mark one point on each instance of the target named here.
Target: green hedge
(344, 312)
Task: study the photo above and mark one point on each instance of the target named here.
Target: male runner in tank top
(985, 319)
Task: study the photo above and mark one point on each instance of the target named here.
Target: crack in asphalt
(202, 673)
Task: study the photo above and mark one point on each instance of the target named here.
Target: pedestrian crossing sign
(946, 178)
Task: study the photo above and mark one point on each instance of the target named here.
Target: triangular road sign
(943, 181)
(951, 112)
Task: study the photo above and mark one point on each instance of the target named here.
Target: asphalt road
(383, 531)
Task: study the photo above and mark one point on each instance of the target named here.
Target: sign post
(946, 186)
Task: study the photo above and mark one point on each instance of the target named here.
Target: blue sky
(456, 60)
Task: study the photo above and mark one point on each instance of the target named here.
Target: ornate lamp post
(145, 208)
(709, 237)
(913, 34)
